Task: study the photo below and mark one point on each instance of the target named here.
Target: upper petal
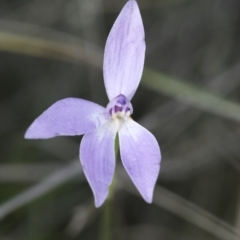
(70, 116)
(98, 160)
(124, 53)
(140, 154)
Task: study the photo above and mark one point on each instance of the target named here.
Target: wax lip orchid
(139, 150)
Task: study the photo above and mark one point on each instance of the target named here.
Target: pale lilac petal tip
(97, 157)
(140, 154)
(124, 53)
(70, 116)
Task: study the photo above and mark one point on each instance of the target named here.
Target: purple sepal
(140, 154)
(69, 117)
(124, 53)
(98, 160)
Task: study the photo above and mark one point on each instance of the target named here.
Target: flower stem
(106, 233)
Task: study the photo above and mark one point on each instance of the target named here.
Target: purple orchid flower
(139, 150)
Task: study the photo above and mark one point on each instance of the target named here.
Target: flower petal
(140, 154)
(70, 116)
(124, 53)
(98, 160)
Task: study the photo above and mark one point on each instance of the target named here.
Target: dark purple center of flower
(120, 106)
(117, 109)
(121, 99)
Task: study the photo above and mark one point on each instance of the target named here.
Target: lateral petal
(124, 53)
(97, 157)
(70, 116)
(140, 154)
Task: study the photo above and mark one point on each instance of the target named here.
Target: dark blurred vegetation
(198, 193)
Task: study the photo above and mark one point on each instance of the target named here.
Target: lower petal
(140, 154)
(97, 157)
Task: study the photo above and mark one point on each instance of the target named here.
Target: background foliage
(189, 98)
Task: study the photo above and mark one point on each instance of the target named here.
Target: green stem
(106, 233)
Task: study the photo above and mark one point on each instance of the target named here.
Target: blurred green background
(188, 98)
